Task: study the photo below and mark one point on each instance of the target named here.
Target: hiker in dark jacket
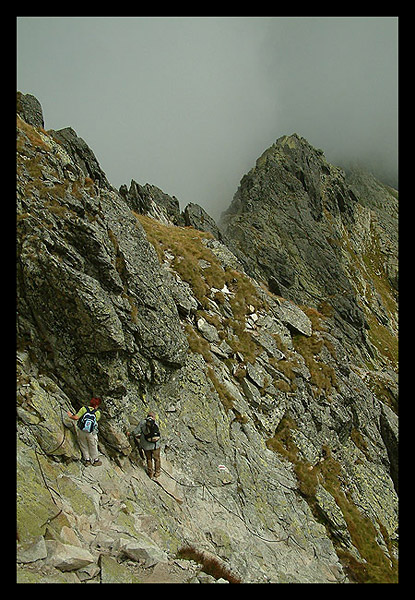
(149, 434)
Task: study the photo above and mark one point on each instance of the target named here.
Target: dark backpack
(152, 431)
(88, 420)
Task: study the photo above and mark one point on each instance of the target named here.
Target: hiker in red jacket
(87, 431)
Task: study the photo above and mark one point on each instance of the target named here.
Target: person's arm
(78, 414)
(135, 432)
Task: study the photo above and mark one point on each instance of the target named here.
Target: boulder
(294, 318)
(256, 374)
(209, 332)
(33, 551)
(142, 550)
(66, 557)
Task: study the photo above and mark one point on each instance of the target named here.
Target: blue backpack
(88, 421)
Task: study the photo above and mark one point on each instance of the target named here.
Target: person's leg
(93, 448)
(149, 462)
(83, 444)
(157, 462)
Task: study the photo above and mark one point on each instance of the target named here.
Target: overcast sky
(189, 103)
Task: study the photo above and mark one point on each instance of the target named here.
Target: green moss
(114, 572)
(188, 249)
(127, 523)
(323, 375)
(79, 500)
(197, 343)
(377, 568)
(34, 503)
(225, 397)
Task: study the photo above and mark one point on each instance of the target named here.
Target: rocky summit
(266, 345)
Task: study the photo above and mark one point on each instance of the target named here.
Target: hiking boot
(96, 463)
(87, 462)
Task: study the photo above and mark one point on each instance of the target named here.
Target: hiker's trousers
(88, 443)
(153, 455)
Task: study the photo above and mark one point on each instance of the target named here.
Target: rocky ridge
(279, 444)
(321, 237)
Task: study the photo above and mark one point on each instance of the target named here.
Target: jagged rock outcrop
(30, 109)
(279, 447)
(150, 200)
(81, 154)
(94, 276)
(318, 237)
(195, 216)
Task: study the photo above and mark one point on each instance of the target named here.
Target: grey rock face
(91, 282)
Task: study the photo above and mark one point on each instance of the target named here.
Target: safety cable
(207, 488)
(47, 486)
(189, 485)
(42, 452)
(244, 521)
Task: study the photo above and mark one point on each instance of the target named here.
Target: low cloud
(189, 103)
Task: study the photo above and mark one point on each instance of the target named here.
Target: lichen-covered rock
(114, 572)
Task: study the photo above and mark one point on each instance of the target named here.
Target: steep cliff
(279, 427)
